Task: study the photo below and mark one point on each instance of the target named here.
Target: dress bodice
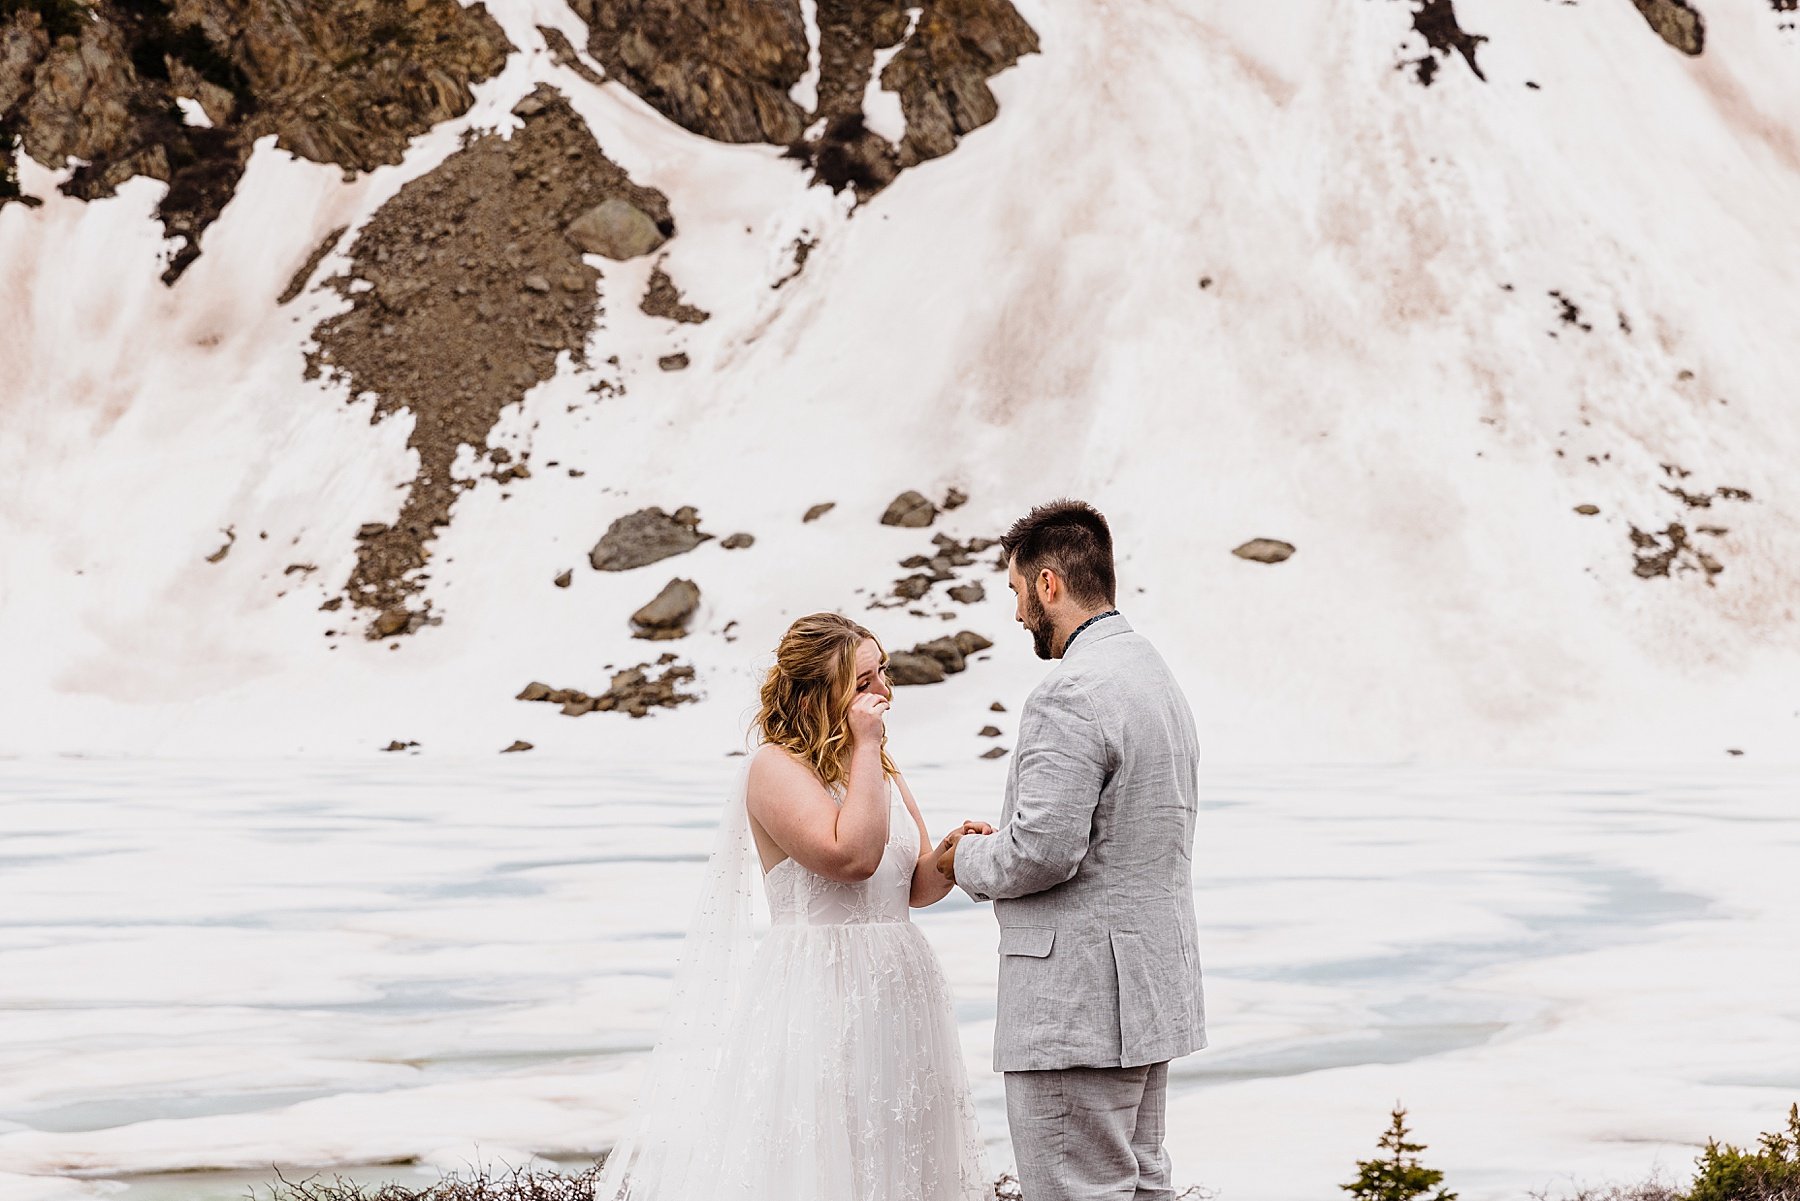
(799, 897)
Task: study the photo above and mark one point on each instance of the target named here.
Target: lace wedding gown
(839, 1075)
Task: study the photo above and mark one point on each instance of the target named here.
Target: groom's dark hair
(1072, 539)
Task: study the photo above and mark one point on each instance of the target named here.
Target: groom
(1090, 875)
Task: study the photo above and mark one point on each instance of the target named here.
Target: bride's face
(870, 675)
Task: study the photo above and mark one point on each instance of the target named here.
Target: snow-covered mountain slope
(1228, 271)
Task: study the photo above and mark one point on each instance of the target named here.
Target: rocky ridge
(348, 83)
(731, 69)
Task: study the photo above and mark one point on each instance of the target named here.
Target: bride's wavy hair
(807, 694)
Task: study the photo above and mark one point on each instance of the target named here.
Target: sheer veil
(659, 1157)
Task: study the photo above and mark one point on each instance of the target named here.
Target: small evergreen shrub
(1769, 1173)
(1398, 1175)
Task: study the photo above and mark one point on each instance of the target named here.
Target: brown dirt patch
(474, 291)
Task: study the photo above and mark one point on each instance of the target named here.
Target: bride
(821, 1062)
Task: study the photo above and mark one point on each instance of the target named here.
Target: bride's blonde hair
(807, 694)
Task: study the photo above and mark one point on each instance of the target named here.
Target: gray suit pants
(1083, 1134)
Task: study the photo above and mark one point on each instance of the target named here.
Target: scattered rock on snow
(1264, 550)
(994, 752)
(217, 556)
(908, 668)
(519, 744)
(1675, 23)
(663, 299)
(911, 510)
(930, 662)
(632, 691)
(667, 615)
(646, 536)
(739, 541)
(819, 510)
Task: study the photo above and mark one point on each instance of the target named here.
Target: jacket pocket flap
(1026, 940)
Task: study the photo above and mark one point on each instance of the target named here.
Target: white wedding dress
(819, 1063)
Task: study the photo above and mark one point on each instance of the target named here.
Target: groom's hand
(946, 859)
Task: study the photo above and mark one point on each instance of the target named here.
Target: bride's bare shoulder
(774, 771)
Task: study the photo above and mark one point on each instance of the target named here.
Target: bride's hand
(977, 828)
(867, 717)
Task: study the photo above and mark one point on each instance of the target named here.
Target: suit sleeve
(1063, 765)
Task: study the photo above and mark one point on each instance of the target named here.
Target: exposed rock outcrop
(1435, 21)
(349, 82)
(452, 326)
(727, 69)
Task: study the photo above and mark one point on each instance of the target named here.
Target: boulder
(671, 608)
(969, 642)
(645, 537)
(1675, 23)
(911, 511)
(1264, 550)
(969, 593)
(739, 541)
(1587, 510)
(990, 731)
(907, 668)
(912, 587)
(994, 752)
(615, 229)
(565, 579)
(819, 510)
(945, 651)
(534, 691)
(519, 744)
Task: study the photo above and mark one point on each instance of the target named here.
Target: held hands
(868, 718)
(946, 850)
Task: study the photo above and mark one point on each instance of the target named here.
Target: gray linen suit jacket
(1090, 871)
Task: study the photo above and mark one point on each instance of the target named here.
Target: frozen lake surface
(395, 967)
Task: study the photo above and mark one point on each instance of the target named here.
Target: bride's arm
(840, 842)
(929, 886)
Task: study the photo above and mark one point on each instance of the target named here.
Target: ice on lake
(394, 968)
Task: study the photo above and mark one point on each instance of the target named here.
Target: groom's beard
(1043, 630)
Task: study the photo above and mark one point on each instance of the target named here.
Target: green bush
(1770, 1173)
(1398, 1176)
